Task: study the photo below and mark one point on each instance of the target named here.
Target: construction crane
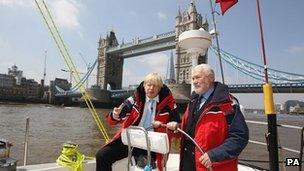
(88, 67)
(44, 69)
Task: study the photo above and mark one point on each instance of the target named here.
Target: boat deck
(172, 165)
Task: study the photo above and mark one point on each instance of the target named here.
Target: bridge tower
(110, 67)
(188, 20)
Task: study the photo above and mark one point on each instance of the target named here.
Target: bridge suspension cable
(44, 11)
(83, 79)
(78, 84)
(257, 71)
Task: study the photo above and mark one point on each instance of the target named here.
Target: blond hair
(154, 78)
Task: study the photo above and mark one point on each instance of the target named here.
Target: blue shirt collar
(155, 98)
(208, 93)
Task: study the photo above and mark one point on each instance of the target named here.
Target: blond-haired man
(152, 104)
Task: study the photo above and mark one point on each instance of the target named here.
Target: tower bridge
(111, 54)
(111, 57)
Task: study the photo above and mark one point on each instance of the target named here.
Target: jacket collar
(220, 93)
(140, 90)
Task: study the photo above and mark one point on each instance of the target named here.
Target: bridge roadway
(234, 88)
(115, 96)
(258, 88)
(156, 43)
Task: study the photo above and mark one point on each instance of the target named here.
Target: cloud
(162, 16)
(66, 13)
(131, 78)
(16, 3)
(296, 49)
(156, 62)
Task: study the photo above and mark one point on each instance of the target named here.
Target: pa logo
(292, 162)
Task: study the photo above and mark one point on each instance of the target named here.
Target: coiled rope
(71, 157)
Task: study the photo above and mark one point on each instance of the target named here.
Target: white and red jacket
(220, 130)
(133, 111)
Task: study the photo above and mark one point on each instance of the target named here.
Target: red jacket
(165, 112)
(220, 131)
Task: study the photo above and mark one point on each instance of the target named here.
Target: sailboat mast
(217, 42)
(269, 106)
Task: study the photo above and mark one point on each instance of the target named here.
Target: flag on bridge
(226, 4)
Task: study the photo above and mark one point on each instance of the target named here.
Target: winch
(6, 162)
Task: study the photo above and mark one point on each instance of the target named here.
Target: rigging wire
(44, 11)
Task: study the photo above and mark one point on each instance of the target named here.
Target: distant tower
(16, 73)
(44, 68)
(109, 68)
(188, 20)
(170, 75)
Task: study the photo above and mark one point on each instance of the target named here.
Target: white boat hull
(172, 165)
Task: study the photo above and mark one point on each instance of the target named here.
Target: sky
(24, 37)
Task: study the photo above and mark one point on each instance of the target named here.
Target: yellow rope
(71, 158)
(44, 11)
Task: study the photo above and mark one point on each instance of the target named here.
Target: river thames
(51, 126)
